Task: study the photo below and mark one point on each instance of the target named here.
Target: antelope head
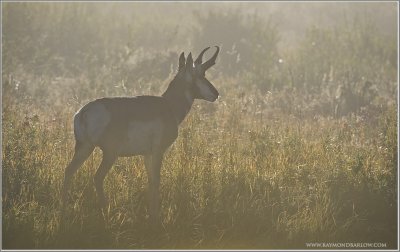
(193, 76)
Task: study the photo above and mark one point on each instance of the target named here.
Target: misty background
(327, 55)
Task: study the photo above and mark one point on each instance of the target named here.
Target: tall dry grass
(301, 146)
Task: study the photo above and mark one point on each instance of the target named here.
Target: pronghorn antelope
(142, 125)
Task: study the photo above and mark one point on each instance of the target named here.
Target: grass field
(301, 146)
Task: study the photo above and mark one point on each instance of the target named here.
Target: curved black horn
(209, 63)
(199, 59)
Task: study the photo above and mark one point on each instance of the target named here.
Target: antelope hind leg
(82, 152)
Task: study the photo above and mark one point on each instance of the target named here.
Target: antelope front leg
(106, 164)
(153, 167)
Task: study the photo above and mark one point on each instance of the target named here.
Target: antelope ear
(181, 61)
(189, 61)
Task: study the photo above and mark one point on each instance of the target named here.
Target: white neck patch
(189, 96)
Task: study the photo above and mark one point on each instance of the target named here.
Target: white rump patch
(97, 118)
(79, 131)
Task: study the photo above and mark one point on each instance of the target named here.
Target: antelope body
(142, 125)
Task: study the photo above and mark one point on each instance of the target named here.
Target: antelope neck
(180, 100)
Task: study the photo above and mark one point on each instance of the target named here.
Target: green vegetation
(301, 146)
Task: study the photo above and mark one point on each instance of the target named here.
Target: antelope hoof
(103, 203)
(156, 225)
(65, 199)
